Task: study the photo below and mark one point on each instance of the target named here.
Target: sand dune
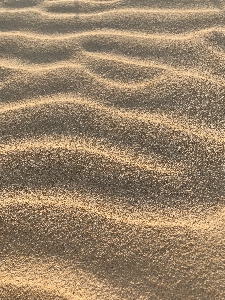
(80, 244)
(112, 149)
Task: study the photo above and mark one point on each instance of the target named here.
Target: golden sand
(112, 149)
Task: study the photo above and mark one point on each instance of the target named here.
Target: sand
(112, 149)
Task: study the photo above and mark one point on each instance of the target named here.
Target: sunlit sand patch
(49, 279)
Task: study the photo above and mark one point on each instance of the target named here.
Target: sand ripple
(112, 149)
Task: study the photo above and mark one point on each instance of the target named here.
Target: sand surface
(112, 150)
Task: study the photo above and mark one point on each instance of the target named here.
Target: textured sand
(112, 149)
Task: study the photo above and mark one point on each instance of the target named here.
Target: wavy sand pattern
(112, 149)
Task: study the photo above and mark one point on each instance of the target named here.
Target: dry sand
(112, 149)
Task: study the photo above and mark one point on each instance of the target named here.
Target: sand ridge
(112, 149)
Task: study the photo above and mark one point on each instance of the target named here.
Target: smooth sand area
(112, 135)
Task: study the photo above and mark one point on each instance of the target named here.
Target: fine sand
(112, 150)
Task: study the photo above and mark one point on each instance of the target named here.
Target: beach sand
(112, 150)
